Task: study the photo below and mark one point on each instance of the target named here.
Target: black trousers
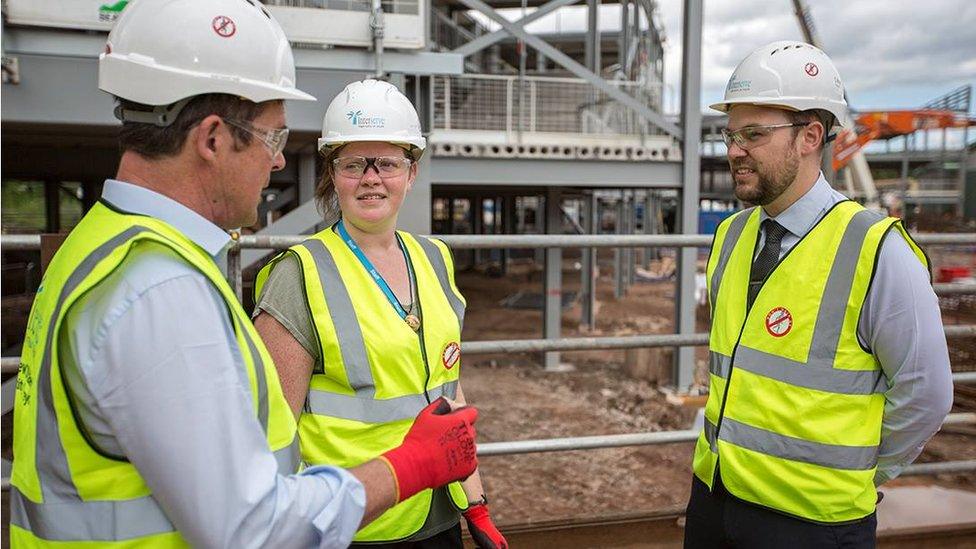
(448, 539)
(719, 520)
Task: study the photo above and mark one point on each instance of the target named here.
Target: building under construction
(561, 134)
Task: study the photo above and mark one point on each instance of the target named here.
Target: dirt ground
(520, 401)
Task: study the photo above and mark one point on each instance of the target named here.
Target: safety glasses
(753, 136)
(273, 138)
(356, 166)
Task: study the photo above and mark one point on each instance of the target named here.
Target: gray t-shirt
(283, 297)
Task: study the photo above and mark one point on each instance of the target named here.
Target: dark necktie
(767, 259)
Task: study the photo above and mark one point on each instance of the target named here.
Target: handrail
(471, 242)
(627, 439)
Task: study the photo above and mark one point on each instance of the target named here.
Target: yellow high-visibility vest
(63, 492)
(793, 418)
(375, 373)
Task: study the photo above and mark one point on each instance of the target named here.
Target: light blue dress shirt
(901, 324)
(155, 372)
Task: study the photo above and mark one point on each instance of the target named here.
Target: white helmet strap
(160, 115)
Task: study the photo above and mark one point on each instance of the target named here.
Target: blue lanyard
(368, 265)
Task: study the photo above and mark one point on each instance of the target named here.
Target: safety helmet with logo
(372, 110)
(789, 75)
(162, 53)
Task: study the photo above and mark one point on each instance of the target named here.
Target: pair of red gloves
(438, 449)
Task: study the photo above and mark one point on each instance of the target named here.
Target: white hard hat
(372, 110)
(164, 51)
(790, 75)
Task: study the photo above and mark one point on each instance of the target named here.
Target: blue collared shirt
(155, 371)
(901, 324)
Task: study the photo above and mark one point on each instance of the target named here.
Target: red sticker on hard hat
(224, 26)
(811, 69)
(451, 355)
(779, 322)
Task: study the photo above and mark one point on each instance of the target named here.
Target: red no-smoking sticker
(779, 322)
(224, 26)
(451, 355)
(811, 69)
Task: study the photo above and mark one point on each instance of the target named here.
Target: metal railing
(539, 104)
(630, 439)
(411, 7)
(10, 364)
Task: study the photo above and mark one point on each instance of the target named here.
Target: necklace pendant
(413, 321)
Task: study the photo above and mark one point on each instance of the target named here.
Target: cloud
(899, 53)
(890, 54)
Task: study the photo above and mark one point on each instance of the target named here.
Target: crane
(859, 173)
(887, 124)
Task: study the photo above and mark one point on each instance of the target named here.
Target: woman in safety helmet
(364, 321)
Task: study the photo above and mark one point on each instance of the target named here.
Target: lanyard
(368, 265)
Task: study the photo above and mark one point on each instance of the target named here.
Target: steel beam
(623, 39)
(539, 172)
(532, 241)
(593, 57)
(691, 122)
(650, 226)
(580, 71)
(487, 40)
(588, 270)
(552, 318)
(306, 177)
(618, 253)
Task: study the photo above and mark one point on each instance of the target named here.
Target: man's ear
(812, 137)
(207, 138)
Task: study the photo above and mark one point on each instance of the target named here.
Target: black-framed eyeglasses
(753, 136)
(273, 138)
(385, 166)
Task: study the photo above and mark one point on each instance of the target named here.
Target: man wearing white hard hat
(148, 410)
(828, 364)
(364, 321)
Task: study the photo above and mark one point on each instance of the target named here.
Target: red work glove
(482, 529)
(439, 448)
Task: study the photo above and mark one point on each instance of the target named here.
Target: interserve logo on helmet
(361, 120)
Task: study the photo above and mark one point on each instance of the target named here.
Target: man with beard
(828, 363)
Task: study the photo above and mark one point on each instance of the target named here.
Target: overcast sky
(890, 53)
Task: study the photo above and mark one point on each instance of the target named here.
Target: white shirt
(156, 375)
(902, 326)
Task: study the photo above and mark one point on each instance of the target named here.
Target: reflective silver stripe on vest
(369, 410)
(51, 458)
(437, 261)
(853, 458)
(736, 226)
(719, 364)
(260, 377)
(810, 376)
(89, 520)
(348, 333)
(289, 458)
(833, 305)
(710, 436)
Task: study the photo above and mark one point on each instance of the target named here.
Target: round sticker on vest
(779, 322)
(451, 355)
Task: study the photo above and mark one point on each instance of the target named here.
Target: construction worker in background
(364, 321)
(828, 362)
(148, 411)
